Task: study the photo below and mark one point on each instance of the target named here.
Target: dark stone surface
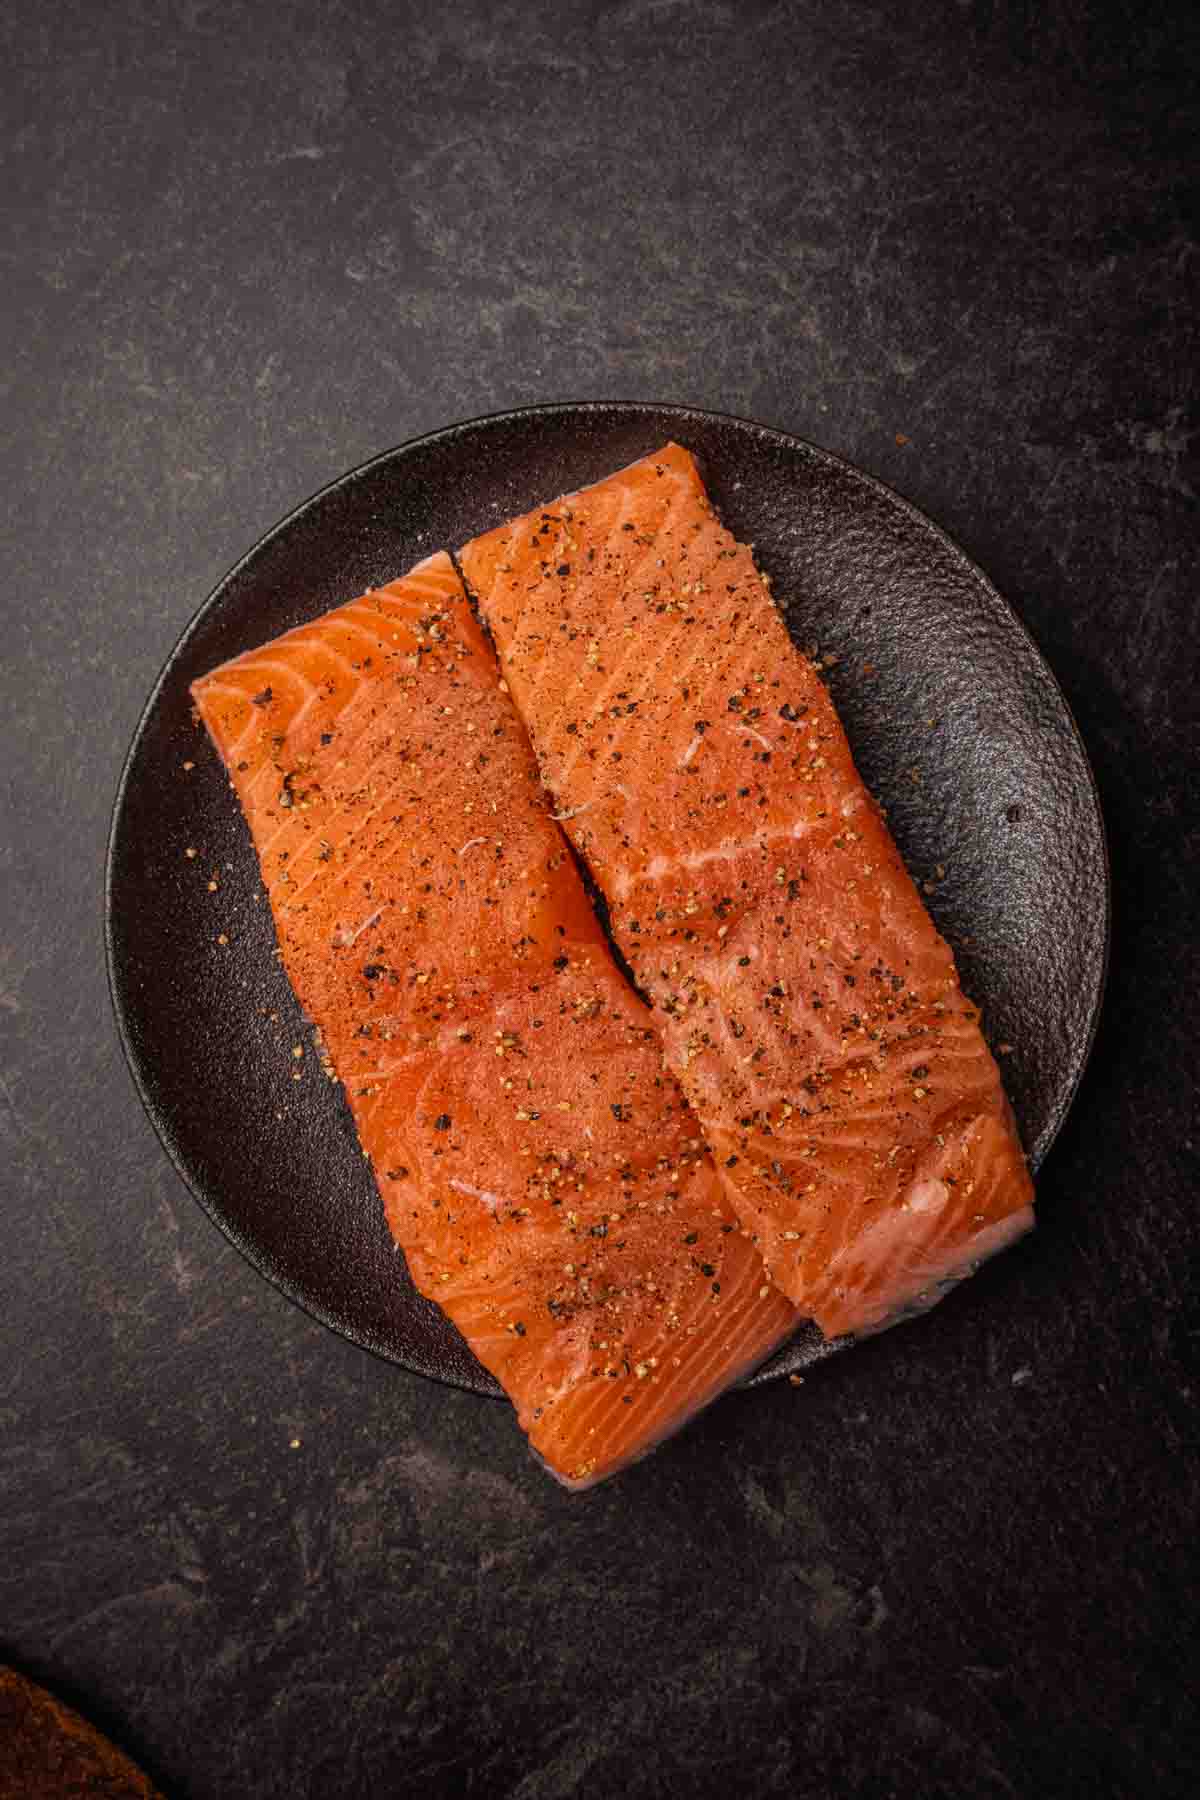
(245, 254)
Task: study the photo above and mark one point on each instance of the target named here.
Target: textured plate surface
(956, 723)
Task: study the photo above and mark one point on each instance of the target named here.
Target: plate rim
(1051, 1129)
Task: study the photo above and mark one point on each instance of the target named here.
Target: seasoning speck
(442, 1122)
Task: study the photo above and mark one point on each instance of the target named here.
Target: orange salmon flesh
(539, 1166)
(805, 1001)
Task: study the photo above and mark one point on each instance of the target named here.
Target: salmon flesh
(539, 1166)
(807, 1005)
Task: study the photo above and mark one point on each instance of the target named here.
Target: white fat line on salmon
(634, 652)
(641, 688)
(312, 693)
(334, 717)
(464, 1187)
(345, 873)
(699, 652)
(344, 938)
(280, 672)
(470, 845)
(348, 619)
(447, 1042)
(572, 812)
(749, 731)
(691, 750)
(270, 773)
(658, 866)
(278, 668)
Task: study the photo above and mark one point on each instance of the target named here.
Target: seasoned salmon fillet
(806, 1003)
(540, 1168)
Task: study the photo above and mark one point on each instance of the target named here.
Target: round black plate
(955, 720)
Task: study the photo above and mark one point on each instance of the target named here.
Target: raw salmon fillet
(539, 1167)
(806, 1002)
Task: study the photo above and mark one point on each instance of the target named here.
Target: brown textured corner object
(47, 1752)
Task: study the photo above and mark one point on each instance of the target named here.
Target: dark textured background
(245, 253)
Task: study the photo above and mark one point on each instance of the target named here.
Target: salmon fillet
(806, 1003)
(539, 1167)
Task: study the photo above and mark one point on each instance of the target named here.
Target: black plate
(955, 720)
